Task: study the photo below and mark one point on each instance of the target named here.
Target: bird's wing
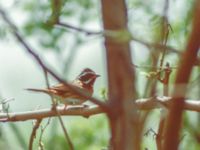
(65, 91)
(59, 87)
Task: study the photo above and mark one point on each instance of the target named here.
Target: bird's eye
(85, 77)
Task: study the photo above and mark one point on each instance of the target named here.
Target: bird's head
(87, 77)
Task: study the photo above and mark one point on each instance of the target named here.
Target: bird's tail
(38, 90)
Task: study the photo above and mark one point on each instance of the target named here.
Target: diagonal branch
(88, 32)
(110, 33)
(69, 141)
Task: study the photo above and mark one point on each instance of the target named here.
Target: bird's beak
(97, 75)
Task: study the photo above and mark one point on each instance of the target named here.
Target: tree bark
(174, 120)
(123, 119)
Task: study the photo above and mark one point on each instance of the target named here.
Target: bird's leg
(65, 107)
(85, 106)
(55, 102)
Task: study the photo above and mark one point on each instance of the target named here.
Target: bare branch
(88, 32)
(109, 33)
(143, 104)
(33, 134)
(41, 145)
(71, 146)
(153, 67)
(45, 113)
(157, 46)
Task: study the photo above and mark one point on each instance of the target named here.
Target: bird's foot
(85, 106)
(65, 106)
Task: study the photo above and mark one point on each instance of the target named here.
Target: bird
(84, 82)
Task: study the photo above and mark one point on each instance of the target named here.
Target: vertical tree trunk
(123, 119)
(174, 120)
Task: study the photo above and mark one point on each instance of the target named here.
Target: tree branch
(174, 119)
(143, 104)
(45, 113)
(69, 141)
(110, 33)
(87, 32)
(33, 134)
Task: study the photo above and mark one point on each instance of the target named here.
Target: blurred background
(67, 52)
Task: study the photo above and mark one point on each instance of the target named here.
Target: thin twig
(88, 32)
(165, 80)
(147, 133)
(33, 134)
(41, 134)
(165, 30)
(48, 86)
(167, 71)
(157, 46)
(109, 33)
(153, 67)
(164, 50)
(71, 146)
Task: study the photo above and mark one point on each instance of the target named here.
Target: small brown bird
(83, 82)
